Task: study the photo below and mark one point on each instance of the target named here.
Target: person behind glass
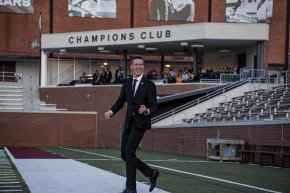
(108, 76)
(83, 78)
(119, 74)
(96, 78)
(140, 95)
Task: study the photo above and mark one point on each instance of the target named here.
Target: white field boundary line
(87, 152)
(183, 172)
(217, 179)
(165, 160)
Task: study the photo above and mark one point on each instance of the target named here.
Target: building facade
(19, 30)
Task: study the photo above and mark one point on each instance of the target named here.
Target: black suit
(135, 124)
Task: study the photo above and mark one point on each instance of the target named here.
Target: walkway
(70, 176)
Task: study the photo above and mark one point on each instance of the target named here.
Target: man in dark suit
(140, 95)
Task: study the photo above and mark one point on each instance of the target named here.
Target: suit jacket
(145, 95)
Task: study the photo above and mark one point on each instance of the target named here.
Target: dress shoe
(153, 179)
(127, 190)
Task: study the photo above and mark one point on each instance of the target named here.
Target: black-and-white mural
(92, 8)
(249, 11)
(175, 10)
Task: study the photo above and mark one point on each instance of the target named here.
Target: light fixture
(183, 44)
(150, 49)
(224, 50)
(105, 63)
(105, 51)
(197, 46)
(101, 48)
(178, 53)
(62, 50)
(167, 65)
(141, 46)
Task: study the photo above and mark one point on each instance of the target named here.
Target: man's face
(137, 67)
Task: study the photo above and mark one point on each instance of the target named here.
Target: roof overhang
(166, 39)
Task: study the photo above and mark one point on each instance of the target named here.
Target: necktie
(134, 86)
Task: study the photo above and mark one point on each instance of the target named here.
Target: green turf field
(187, 174)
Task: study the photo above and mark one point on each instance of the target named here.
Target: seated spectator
(171, 76)
(184, 76)
(107, 76)
(190, 77)
(119, 75)
(96, 78)
(153, 74)
(179, 78)
(83, 78)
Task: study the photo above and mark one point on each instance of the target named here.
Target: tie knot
(135, 80)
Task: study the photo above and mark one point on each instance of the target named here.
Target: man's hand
(143, 109)
(108, 114)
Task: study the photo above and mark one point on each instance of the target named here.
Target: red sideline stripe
(31, 153)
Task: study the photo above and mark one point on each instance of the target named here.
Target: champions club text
(119, 37)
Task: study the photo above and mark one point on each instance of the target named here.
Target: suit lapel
(130, 86)
(140, 86)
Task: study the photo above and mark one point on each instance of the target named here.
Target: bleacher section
(261, 104)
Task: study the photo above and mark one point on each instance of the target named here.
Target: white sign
(155, 34)
(17, 6)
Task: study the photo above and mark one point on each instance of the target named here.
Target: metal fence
(10, 76)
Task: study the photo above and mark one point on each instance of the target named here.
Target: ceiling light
(62, 50)
(105, 51)
(178, 53)
(167, 65)
(151, 49)
(225, 51)
(183, 43)
(101, 48)
(197, 46)
(141, 46)
(105, 63)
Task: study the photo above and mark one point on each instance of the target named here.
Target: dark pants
(130, 142)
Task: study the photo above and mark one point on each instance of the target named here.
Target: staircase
(14, 97)
(11, 97)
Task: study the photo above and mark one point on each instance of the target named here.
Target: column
(43, 73)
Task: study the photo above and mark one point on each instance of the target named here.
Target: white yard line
(216, 179)
(89, 153)
(188, 173)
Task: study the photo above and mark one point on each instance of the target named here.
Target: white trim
(169, 33)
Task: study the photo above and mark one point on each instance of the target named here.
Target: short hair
(136, 57)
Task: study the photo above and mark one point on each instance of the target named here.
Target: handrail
(197, 101)
(250, 111)
(4, 75)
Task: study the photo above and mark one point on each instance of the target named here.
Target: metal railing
(261, 113)
(197, 101)
(8, 76)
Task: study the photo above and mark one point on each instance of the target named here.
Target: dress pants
(130, 142)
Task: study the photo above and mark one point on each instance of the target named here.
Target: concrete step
(51, 109)
(11, 86)
(11, 104)
(9, 99)
(11, 95)
(11, 108)
(10, 91)
(46, 105)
